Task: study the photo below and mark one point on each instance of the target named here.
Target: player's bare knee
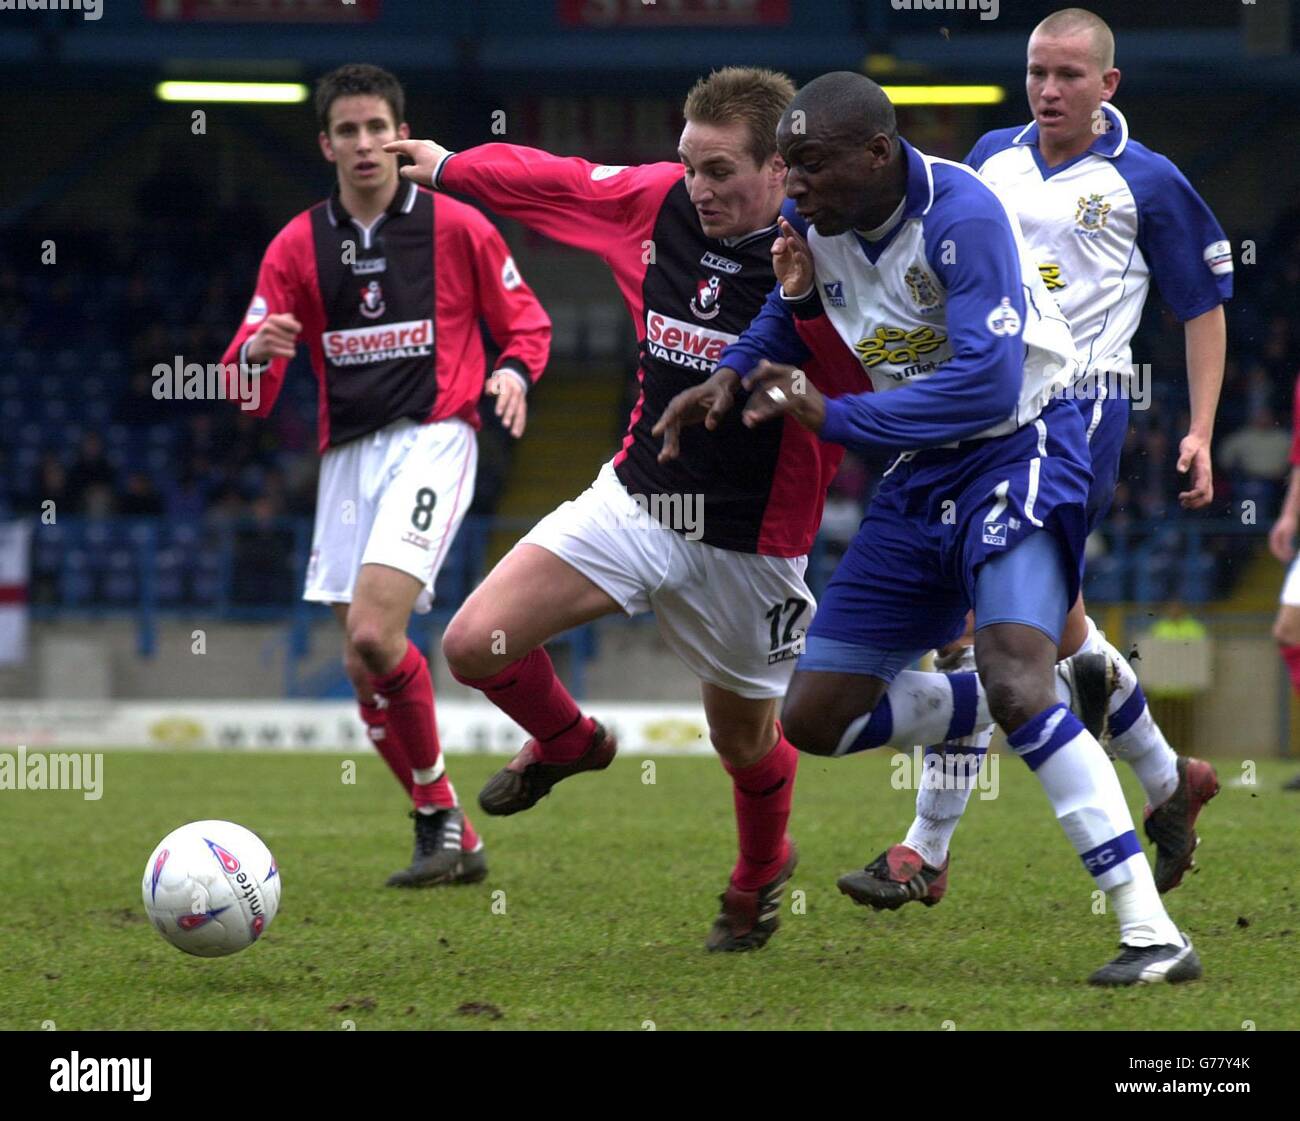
(372, 643)
(741, 745)
(808, 729)
(468, 648)
(1015, 694)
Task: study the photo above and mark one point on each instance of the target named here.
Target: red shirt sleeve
(472, 268)
(516, 319)
(605, 209)
(1295, 426)
(280, 288)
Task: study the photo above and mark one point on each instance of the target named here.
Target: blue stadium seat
(120, 582)
(169, 577)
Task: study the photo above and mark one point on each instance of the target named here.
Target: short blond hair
(1071, 21)
(747, 94)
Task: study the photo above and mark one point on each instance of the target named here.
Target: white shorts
(395, 497)
(1291, 585)
(736, 620)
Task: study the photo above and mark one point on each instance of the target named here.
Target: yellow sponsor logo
(1051, 274)
(897, 346)
(177, 731)
(672, 733)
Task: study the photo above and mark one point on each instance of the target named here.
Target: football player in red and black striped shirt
(714, 541)
(385, 283)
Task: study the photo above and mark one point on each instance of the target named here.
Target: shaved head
(841, 106)
(1076, 21)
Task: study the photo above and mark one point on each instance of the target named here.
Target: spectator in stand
(1255, 459)
(92, 480)
(141, 499)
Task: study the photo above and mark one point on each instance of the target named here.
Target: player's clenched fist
(775, 390)
(792, 262)
(427, 154)
(276, 338)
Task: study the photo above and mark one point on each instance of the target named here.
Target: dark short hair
(755, 98)
(358, 78)
(846, 104)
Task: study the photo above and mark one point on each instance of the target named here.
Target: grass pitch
(597, 905)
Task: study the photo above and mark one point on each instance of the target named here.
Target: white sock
(1141, 745)
(1142, 917)
(941, 801)
(1089, 803)
(918, 707)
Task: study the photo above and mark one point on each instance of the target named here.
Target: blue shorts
(908, 578)
(1105, 422)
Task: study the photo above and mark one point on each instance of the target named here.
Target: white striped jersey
(1101, 225)
(945, 310)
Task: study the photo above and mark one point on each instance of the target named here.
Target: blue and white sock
(951, 773)
(921, 707)
(1086, 796)
(1134, 736)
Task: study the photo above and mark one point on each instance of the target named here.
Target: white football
(211, 888)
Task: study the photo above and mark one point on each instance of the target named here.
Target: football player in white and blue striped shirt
(920, 269)
(1102, 216)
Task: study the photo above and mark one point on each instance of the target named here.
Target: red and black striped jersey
(390, 313)
(690, 296)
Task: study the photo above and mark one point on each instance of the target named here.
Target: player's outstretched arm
(605, 209)
(426, 157)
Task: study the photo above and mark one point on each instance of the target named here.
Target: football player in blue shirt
(1102, 215)
(920, 268)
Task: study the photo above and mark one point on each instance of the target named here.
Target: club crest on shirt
(372, 300)
(705, 305)
(922, 289)
(1090, 216)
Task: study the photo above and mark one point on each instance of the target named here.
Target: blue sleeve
(987, 145)
(771, 335)
(979, 386)
(1186, 248)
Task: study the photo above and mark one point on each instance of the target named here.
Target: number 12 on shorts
(786, 642)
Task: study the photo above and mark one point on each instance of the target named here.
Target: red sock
(374, 714)
(763, 793)
(532, 696)
(1291, 655)
(409, 692)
